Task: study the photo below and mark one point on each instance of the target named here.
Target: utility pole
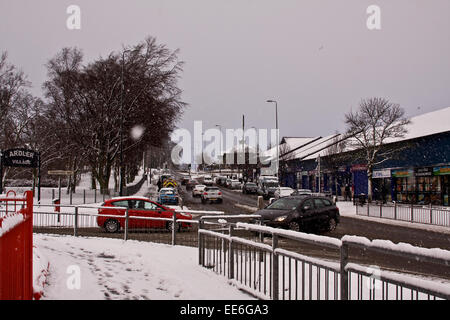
(243, 146)
(278, 138)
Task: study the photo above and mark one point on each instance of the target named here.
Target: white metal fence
(433, 215)
(268, 271)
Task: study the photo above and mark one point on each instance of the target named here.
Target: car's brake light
(220, 193)
(205, 194)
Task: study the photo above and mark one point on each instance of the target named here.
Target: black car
(250, 187)
(301, 213)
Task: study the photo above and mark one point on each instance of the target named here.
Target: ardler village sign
(22, 158)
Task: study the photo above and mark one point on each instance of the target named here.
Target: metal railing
(81, 196)
(16, 248)
(262, 267)
(85, 220)
(424, 214)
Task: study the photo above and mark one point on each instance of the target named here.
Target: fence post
(275, 282)
(431, 213)
(344, 273)
(84, 196)
(230, 254)
(70, 195)
(53, 194)
(412, 212)
(395, 210)
(174, 228)
(75, 224)
(95, 195)
(200, 242)
(381, 209)
(125, 237)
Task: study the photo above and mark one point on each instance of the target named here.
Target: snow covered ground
(98, 268)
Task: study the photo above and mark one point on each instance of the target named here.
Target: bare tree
(98, 115)
(376, 121)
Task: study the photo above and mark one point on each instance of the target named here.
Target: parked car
(198, 190)
(301, 213)
(228, 183)
(267, 188)
(191, 184)
(235, 184)
(249, 187)
(207, 181)
(221, 180)
(283, 192)
(212, 194)
(137, 207)
(168, 196)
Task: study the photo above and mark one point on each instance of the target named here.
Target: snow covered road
(99, 268)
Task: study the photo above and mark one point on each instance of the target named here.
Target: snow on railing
(9, 222)
(291, 274)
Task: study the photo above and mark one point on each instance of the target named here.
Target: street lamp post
(221, 160)
(121, 127)
(276, 127)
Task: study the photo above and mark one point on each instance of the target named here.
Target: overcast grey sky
(316, 57)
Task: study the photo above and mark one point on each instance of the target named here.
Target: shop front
(422, 185)
(443, 175)
(382, 185)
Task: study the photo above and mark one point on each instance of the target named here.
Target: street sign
(20, 158)
(60, 172)
(23, 158)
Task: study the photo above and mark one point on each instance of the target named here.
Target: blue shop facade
(418, 173)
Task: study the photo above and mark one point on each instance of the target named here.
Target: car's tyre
(332, 224)
(112, 226)
(294, 226)
(220, 201)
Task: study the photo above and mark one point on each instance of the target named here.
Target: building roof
(427, 124)
(421, 126)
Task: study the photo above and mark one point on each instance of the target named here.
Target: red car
(138, 207)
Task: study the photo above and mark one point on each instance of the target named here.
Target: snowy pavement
(99, 268)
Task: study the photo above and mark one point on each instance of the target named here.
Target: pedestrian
(159, 185)
(347, 192)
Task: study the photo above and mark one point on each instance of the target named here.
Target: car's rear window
(167, 192)
(211, 189)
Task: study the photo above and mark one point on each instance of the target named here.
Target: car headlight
(280, 219)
